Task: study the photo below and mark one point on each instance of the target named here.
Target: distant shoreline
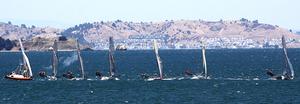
(152, 49)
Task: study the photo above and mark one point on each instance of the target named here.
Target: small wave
(165, 79)
(6, 99)
(90, 79)
(199, 77)
(180, 78)
(109, 78)
(169, 79)
(77, 79)
(151, 79)
(236, 79)
(255, 79)
(245, 79)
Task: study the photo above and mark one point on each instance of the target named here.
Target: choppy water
(237, 76)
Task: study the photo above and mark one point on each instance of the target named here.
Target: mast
(80, 59)
(159, 62)
(26, 62)
(112, 69)
(288, 69)
(54, 59)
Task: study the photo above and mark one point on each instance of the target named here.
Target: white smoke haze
(67, 61)
(48, 67)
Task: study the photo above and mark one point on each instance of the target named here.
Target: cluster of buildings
(139, 42)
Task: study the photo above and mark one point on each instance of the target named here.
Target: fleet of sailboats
(24, 72)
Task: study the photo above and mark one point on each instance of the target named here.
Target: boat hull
(17, 77)
(280, 77)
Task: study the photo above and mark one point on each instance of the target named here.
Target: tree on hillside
(8, 44)
(114, 25)
(62, 38)
(2, 43)
(118, 21)
(23, 26)
(255, 21)
(33, 26)
(244, 20)
(6, 32)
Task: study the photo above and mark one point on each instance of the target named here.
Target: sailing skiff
(22, 72)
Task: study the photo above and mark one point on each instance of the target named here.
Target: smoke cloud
(67, 61)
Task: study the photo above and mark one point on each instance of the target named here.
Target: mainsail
(159, 62)
(112, 67)
(204, 62)
(80, 60)
(26, 62)
(288, 69)
(54, 59)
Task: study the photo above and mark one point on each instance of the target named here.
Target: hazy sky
(64, 13)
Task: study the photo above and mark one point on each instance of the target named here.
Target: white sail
(112, 66)
(25, 59)
(80, 60)
(159, 62)
(54, 59)
(288, 70)
(204, 62)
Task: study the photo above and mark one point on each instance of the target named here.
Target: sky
(67, 13)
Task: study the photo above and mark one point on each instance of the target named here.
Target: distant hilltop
(34, 38)
(171, 34)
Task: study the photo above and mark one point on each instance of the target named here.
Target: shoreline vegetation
(170, 34)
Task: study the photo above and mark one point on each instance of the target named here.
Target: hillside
(35, 38)
(241, 33)
(14, 32)
(180, 30)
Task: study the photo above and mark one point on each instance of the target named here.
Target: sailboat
(158, 60)
(22, 72)
(54, 62)
(112, 66)
(203, 75)
(288, 71)
(69, 75)
(159, 65)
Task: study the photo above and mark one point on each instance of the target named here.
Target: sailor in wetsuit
(68, 75)
(42, 74)
(144, 76)
(188, 72)
(99, 74)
